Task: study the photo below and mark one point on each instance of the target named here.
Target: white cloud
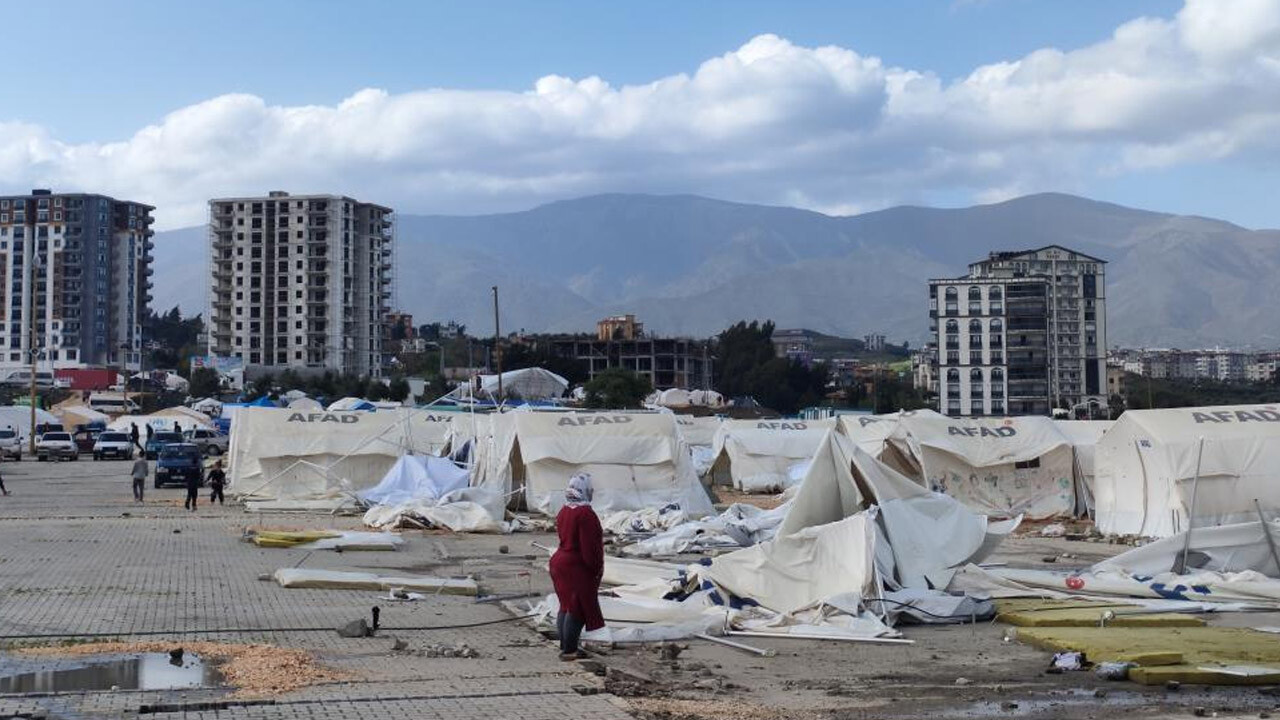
(768, 122)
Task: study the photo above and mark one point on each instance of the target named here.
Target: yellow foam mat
(284, 539)
(1202, 649)
(1072, 613)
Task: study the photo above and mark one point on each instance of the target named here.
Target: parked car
(113, 445)
(211, 442)
(86, 438)
(56, 445)
(43, 428)
(159, 440)
(177, 463)
(10, 444)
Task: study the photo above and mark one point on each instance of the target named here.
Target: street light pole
(32, 263)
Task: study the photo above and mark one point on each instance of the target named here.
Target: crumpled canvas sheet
(416, 477)
(645, 520)
(320, 540)
(838, 617)
(336, 580)
(740, 525)
(468, 509)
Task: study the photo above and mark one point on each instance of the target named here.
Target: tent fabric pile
(431, 491)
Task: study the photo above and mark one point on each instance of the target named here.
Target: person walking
(193, 490)
(139, 473)
(217, 479)
(3, 490)
(577, 567)
(133, 435)
(150, 431)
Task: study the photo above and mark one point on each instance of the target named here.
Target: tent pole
(1271, 542)
(1181, 567)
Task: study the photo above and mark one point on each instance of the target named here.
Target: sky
(840, 107)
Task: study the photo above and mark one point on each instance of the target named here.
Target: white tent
(1084, 436)
(208, 406)
(998, 466)
(158, 423)
(871, 432)
(305, 403)
(706, 398)
(278, 453)
(636, 460)
(1146, 463)
(18, 417)
(671, 397)
(525, 384)
(184, 413)
(348, 404)
(764, 455)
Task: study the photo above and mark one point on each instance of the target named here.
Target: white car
(10, 444)
(112, 444)
(56, 445)
(210, 442)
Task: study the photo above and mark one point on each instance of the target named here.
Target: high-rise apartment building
(300, 281)
(1023, 333)
(77, 267)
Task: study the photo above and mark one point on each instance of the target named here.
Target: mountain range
(691, 265)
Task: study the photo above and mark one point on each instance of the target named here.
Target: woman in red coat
(577, 566)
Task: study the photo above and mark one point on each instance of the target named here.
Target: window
(953, 375)
(1027, 464)
(953, 327)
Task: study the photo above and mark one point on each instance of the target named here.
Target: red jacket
(578, 564)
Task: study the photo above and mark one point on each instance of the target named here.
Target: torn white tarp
(740, 525)
(1227, 549)
(416, 477)
(467, 509)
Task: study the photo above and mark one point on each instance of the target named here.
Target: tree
(747, 364)
(617, 388)
(205, 382)
(375, 390)
(399, 389)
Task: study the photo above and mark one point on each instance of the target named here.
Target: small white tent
(1145, 468)
(525, 384)
(1001, 467)
(765, 455)
(636, 460)
(18, 417)
(278, 453)
(1084, 436)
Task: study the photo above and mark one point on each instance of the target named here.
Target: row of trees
(747, 365)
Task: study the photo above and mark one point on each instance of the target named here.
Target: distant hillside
(692, 265)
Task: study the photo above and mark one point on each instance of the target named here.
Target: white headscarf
(579, 491)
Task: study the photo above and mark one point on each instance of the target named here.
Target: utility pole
(497, 338)
(32, 263)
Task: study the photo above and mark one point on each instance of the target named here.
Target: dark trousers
(216, 494)
(137, 488)
(190, 502)
(569, 630)
(2, 488)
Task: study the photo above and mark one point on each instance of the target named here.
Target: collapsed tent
(73, 416)
(529, 384)
(765, 455)
(871, 432)
(1146, 465)
(277, 453)
(636, 460)
(1000, 467)
(1084, 436)
(699, 435)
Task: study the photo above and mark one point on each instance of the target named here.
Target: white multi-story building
(77, 267)
(300, 281)
(1022, 334)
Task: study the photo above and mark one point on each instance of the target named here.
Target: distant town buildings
(300, 281)
(794, 344)
(1214, 364)
(1022, 334)
(873, 342)
(619, 327)
(667, 362)
(77, 266)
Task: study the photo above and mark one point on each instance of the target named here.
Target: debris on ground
(253, 670)
(444, 650)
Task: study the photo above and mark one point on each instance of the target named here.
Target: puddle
(147, 671)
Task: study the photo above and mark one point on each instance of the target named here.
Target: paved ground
(79, 557)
